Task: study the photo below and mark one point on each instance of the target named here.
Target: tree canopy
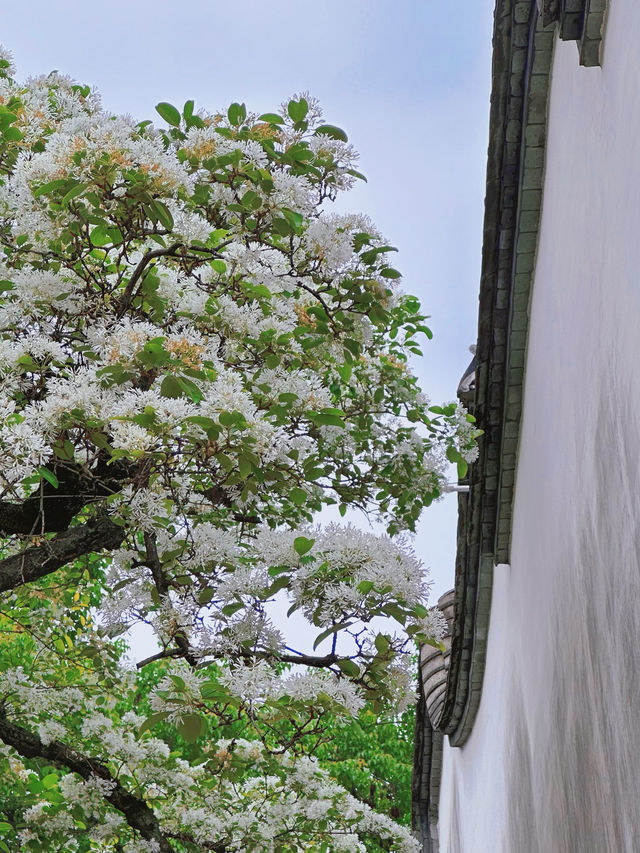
(200, 362)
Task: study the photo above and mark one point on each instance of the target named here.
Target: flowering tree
(197, 358)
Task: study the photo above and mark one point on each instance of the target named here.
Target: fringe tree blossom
(197, 356)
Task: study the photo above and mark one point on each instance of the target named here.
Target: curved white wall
(553, 762)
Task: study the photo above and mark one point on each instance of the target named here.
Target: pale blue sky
(408, 80)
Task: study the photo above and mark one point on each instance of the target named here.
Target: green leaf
(272, 118)
(153, 354)
(244, 466)
(325, 419)
(224, 461)
(277, 585)
(99, 439)
(102, 235)
(63, 449)
(365, 587)
(163, 214)
(328, 632)
(333, 132)
(355, 174)
(345, 371)
(205, 595)
(34, 785)
(452, 454)
(207, 424)
(349, 668)
(50, 781)
(277, 570)
(231, 419)
(12, 134)
(302, 545)
(463, 467)
(294, 218)
(49, 187)
(49, 476)
(251, 200)
(211, 690)
(389, 272)
(298, 110)
(169, 113)
(171, 386)
(190, 389)
(236, 114)
(74, 192)
(396, 612)
(152, 720)
(282, 227)
(298, 496)
(7, 117)
(382, 643)
(179, 682)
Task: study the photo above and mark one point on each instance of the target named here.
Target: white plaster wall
(553, 762)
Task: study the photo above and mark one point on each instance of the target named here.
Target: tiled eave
(523, 44)
(522, 52)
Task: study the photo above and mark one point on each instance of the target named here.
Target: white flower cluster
(194, 348)
(327, 584)
(257, 683)
(7, 68)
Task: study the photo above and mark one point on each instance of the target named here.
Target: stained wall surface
(553, 762)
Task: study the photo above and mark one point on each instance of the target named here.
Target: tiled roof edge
(523, 44)
(522, 55)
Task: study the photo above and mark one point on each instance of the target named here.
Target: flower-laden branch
(49, 555)
(163, 586)
(129, 292)
(318, 661)
(137, 813)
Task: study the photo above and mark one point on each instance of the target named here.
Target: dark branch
(167, 653)
(128, 295)
(318, 661)
(162, 585)
(52, 509)
(137, 813)
(52, 554)
(217, 495)
(170, 252)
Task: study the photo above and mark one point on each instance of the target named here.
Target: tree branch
(52, 554)
(52, 509)
(170, 252)
(128, 294)
(162, 585)
(318, 661)
(137, 813)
